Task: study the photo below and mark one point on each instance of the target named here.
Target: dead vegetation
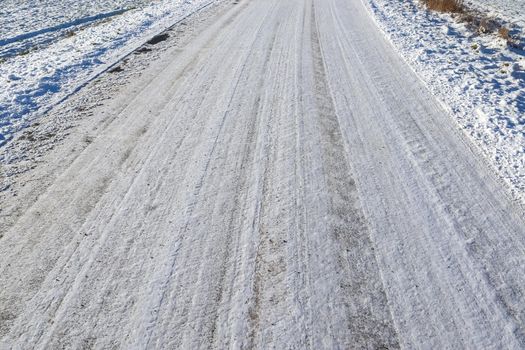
(512, 41)
(451, 6)
(475, 20)
(504, 33)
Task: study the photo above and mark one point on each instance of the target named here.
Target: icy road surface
(284, 181)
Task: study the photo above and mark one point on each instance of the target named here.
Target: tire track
(268, 189)
(369, 321)
(246, 166)
(446, 237)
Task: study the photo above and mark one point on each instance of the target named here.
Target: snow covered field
(477, 76)
(22, 17)
(512, 9)
(48, 50)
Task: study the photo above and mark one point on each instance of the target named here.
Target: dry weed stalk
(504, 33)
(454, 6)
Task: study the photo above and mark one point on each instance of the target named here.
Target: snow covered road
(284, 181)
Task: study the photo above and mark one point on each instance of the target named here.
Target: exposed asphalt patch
(117, 69)
(143, 50)
(158, 38)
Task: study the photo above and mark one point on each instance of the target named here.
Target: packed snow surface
(477, 76)
(48, 48)
(282, 179)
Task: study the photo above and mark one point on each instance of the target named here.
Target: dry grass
(478, 22)
(452, 6)
(475, 20)
(504, 33)
(512, 41)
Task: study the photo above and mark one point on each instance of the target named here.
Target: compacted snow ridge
(479, 77)
(262, 175)
(47, 50)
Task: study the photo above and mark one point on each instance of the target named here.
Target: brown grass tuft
(476, 21)
(504, 33)
(454, 6)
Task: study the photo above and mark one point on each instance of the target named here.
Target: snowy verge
(478, 77)
(35, 80)
(511, 10)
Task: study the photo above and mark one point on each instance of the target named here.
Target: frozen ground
(510, 9)
(47, 51)
(278, 179)
(478, 77)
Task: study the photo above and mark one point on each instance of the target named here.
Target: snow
(46, 51)
(478, 78)
(511, 9)
(22, 17)
(280, 178)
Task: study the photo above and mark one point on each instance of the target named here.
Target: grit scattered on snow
(47, 51)
(477, 76)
